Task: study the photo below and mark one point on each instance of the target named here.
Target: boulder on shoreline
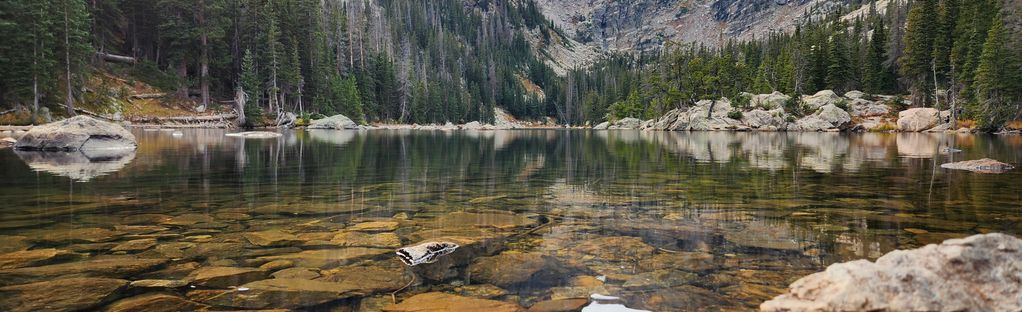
(335, 122)
(79, 133)
(917, 119)
(978, 273)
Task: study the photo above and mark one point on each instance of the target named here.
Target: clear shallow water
(668, 221)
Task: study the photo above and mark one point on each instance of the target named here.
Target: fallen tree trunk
(116, 58)
(186, 119)
(8, 111)
(86, 112)
(144, 96)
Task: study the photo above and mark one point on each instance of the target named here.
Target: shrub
(742, 101)
(842, 104)
(897, 103)
(735, 114)
(790, 118)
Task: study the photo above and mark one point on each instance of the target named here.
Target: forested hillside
(455, 60)
(405, 61)
(939, 53)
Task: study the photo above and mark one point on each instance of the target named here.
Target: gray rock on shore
(335, 122)
(978, 273)
(79, 133)
(917, 119)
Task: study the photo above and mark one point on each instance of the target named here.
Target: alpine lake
(667, 221)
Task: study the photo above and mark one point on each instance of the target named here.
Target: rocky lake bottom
(543, 219)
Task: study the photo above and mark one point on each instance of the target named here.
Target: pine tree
(995, 77)
(878, 75)
(251, 84)
(917, 62)
(839, 70)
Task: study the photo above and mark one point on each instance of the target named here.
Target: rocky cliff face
(643, 24)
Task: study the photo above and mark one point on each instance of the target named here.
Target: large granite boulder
(828, 117)
(626, 123)
(769, 101)
(866, 108)
(335, 122)
(978, 273)
(79, 133)
(820, 99)
(710, 116)
(917, 119)
(764, 120)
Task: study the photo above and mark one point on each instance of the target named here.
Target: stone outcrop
(917, 119)
(79, 133)
(625, 123)
(978, 273)
(769, 101)
(865, 108)
(335, 122)
(985, 165)
(827, 117)
(706, 115)
(765, 119)
(820, 99)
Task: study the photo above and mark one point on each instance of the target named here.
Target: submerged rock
(369, 279)
(70, 294)
(917, 119)
(155, 302)
(329, 258)
(985, 165)
(277, 293)
(79, 133)
(362, 239)
(35, 257)
(438, 302)
(507, 270)
(978, 273)
(272, 238)
(111, 267)
(335, 122)
(223, 277)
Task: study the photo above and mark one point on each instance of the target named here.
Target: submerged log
(116, 58)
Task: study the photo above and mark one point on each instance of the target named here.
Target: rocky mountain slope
(642, 24)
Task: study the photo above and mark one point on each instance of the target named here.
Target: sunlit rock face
(80, 166)
(79, 133)
(978, 273)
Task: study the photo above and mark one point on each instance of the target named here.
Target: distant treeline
(392, 60)
(946, 54)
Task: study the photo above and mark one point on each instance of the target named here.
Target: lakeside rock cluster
(824, 111)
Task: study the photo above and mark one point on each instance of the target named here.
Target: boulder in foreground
(79, 133)
(335, 122)
(978, 273)
(985, 165)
